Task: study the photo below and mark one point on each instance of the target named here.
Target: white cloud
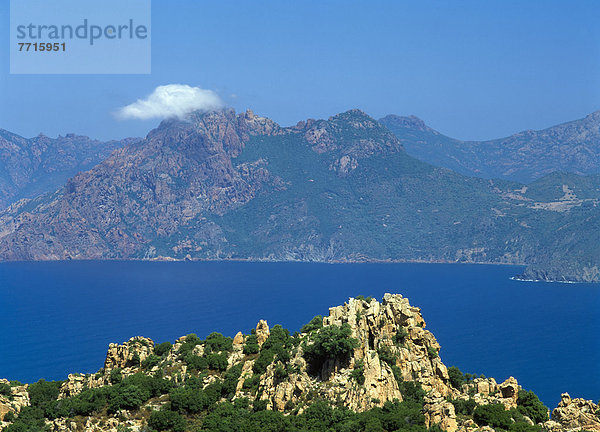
(173, 100)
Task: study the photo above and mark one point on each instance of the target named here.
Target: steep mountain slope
(368, 366)
(526, 156)
(30, 167)
(227, 186)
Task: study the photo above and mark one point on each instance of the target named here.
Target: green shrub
(166, 420)
(277, 347)
(230, 381)
(216, 342)
(242, 402)
(318, 416)
(153, 385)
(400, 336)
(315, 324)
(251, 384)
(217, 361)
(188, 345)
(192, 400)
(397, 374)
(529, 405)
(358, 373)
(432, 352)
(319, 412)
(493, 415)
(457, 379)
(259, 405)
(196, 362)
(251, 346)
(5, 390)
(278, 337)
(115, 376)
(331, 342)
(151, 361)
(265, 358)
(386, 355)
(524, 427)
(43, 391)
(464, 407)
(88, 402)
(281, 373)
(412, 391)
(30, 419)
(129, 397)
(129, 394)
(163, 348)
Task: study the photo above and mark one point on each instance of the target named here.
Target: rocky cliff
(366, 364)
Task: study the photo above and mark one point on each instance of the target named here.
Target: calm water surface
(59, 317)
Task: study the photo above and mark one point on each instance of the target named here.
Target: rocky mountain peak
(407, 122)
(220, 130)
(349, 136)
(595, 116)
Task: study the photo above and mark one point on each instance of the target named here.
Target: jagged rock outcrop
(575, 414)
(129, 355)
(375, 354)
(262, 332)
(14, 402)
(439, 411)
(376, 325)
(76, 383)
(97, 425)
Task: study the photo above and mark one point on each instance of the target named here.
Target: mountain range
(526, 156)
(30, 167)
(222, 185)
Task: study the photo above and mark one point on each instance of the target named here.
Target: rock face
(262, 332)
(576, 414)
(376, 326)
(14, 402)
(129, 355)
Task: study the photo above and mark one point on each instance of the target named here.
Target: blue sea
(59, 317)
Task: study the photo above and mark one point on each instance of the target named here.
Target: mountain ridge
(32, 166)
(525, 156)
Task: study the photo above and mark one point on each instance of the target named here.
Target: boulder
(262, 332)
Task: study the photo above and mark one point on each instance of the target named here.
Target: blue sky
(471, 69)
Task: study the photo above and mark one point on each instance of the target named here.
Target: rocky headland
(367, 366)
